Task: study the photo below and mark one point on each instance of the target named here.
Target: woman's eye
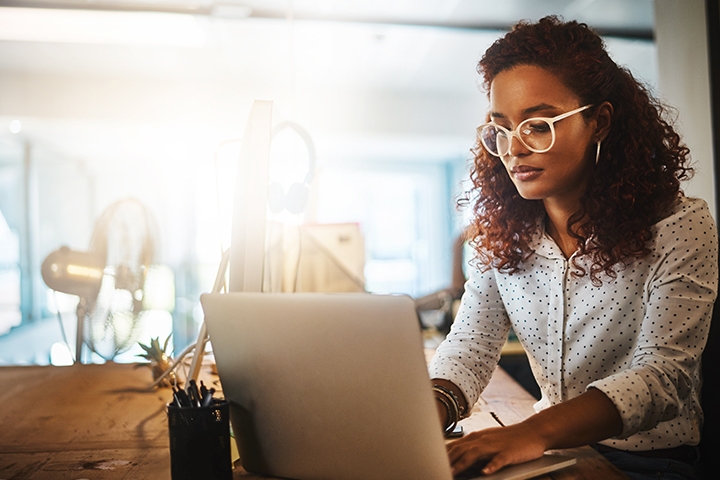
(534, 127)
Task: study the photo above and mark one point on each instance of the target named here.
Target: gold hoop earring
(597, 153)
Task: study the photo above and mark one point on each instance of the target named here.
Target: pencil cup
(200, 442)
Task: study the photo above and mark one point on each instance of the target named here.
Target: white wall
(684, 82)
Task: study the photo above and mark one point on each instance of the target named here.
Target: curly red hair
(635, 183)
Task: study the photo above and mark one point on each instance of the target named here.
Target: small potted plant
(159, 360)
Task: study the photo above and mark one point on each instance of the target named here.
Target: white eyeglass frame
(514, 133)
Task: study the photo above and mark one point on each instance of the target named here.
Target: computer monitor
(247, 245)
(246, 260)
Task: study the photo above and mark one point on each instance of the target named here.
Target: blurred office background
(107, 100)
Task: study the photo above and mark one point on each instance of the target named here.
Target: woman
(585, 246)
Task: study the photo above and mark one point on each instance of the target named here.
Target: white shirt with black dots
(637, 338)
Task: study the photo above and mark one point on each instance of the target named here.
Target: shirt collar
(542, 244)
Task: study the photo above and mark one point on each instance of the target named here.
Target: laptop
(331, 386)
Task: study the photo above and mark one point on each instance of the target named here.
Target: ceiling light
(100, 27)
(15, 126)
(230, 10)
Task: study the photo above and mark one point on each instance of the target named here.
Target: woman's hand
(496, 446)
(585, 419)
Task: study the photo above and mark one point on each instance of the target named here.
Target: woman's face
(560, 174)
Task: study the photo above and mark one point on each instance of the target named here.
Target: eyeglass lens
(535, 134)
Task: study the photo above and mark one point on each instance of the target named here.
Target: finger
(496, 463)
(467, 461)
(457, 449)
(472, 441)
(468, 438)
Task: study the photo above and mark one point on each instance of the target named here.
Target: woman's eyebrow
(534, 109)
(539, 108)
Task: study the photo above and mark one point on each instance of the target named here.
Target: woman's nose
(517, 149)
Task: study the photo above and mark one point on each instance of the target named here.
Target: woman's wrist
(449, 415)
(442, 412)
(545, 428)
(452, 406)
(451, 389)
(583, 420)
(458, 409)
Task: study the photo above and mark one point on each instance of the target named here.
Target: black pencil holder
(200, 442)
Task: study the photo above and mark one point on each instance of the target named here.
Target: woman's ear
(603, 118)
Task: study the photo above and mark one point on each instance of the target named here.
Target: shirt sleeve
(470, 352)
(679, 297)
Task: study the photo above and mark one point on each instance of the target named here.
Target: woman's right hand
(497, 447)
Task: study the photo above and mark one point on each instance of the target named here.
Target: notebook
(331, 386)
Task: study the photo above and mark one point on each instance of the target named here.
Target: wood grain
(99, 422)
(85, 421)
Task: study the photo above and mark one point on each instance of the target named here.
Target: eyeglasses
(535, 134)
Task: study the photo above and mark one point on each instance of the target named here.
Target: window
(405, 213)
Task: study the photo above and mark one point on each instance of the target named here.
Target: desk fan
(110, 278)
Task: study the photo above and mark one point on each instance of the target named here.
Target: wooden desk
(512, 404)
(82, 422)
(97, 422)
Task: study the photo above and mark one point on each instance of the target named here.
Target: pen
(181, 398)
(497, 419)
(191, 397)
(193, 393)
(176, 399)
(207, 399)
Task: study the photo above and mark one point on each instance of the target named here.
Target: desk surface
(97, 422)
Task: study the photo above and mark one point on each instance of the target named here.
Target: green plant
(159, 360)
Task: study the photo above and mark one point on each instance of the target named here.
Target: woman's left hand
(565, 425)
(496, 446)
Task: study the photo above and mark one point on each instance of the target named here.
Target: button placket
(556, 321)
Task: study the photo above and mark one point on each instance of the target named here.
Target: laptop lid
(327, 386)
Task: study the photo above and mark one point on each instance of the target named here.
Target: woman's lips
(525, 173)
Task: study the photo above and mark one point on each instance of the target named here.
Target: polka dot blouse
(638, 338)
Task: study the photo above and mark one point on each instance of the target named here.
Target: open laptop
(332, 386)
